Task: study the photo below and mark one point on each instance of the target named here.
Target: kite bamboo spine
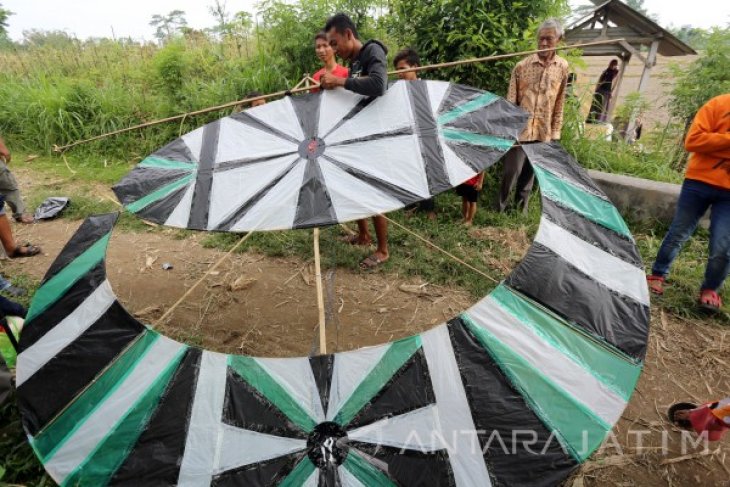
(199, 281)
(320, 294)
(299, 89)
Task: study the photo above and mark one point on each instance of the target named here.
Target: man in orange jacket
(706, 184)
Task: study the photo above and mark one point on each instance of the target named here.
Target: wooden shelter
(642, 38)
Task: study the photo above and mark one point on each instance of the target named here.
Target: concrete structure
(641, 199)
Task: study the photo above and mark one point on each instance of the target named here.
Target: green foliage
(447, 30)
(171, 68)
(166, 26)
(18, 462)
(4, 15)
(695, 37)
(705, 78)
(289, 28)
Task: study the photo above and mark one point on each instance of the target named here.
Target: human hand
(329, 81)
(4, 153)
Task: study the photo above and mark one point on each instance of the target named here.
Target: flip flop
(371, 262)
(30, 251)
(709, 300)
(656, 284)
(680, 406)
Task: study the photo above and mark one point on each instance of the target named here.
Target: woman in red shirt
(327, 55)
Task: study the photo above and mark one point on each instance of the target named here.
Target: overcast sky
(130, 18)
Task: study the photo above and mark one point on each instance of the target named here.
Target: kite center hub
(311, 148)
(327, 445)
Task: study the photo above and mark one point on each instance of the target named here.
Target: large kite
(517, 390)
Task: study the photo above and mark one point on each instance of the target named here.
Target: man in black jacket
(368, 77)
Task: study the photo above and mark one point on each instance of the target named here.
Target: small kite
(517, 390)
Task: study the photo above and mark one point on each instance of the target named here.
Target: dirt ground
(253, 304)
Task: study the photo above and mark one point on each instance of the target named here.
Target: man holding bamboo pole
(368, 76)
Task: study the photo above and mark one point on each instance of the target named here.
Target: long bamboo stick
(57, 148)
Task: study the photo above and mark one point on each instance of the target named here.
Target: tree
(221, 15)
(168, 25)
(4, 15)
(289, 28)
(693, 36)
(448, 30)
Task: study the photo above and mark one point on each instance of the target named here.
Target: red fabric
(473, 181)
(339, 71)
(703, 419)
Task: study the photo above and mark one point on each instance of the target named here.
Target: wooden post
(650, 62)
(320, 294)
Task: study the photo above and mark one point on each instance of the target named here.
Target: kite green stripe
(158, 162)
(398, 354)
(100, 465)
(53, 436)
(468, 107)
(576, 426)
(365, 472)
(253, 373)
(159, 194)
(300, 474)
(56, 287)
(498, 143)
(590, 206)
(607, 364)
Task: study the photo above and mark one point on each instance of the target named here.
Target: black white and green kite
(517, 390)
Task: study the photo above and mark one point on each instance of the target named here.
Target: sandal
(371, 262)
(27, 250)
(656, 284)
(709, 300)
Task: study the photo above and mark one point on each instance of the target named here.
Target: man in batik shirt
(538, 86)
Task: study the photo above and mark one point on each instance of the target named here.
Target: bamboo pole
(320, 294)
(57, 148)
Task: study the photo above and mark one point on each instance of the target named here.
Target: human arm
(329, 81)
(4, 152)
(480, 181)
(512, 90)
(704, 136)
(557, 118)
(375, 83)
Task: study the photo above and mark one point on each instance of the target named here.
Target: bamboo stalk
(320, 294)
(57, 148)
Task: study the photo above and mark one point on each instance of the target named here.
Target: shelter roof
(613, 19)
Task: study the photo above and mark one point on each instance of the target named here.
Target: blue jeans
(694, 200)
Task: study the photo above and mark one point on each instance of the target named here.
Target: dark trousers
(694, 200)
(516, 171)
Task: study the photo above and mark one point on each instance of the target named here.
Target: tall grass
(57, 95)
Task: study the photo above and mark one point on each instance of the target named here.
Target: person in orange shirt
(326, 54)
(706, 185)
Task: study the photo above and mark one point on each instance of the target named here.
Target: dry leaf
(413, 288)
(241, 283)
